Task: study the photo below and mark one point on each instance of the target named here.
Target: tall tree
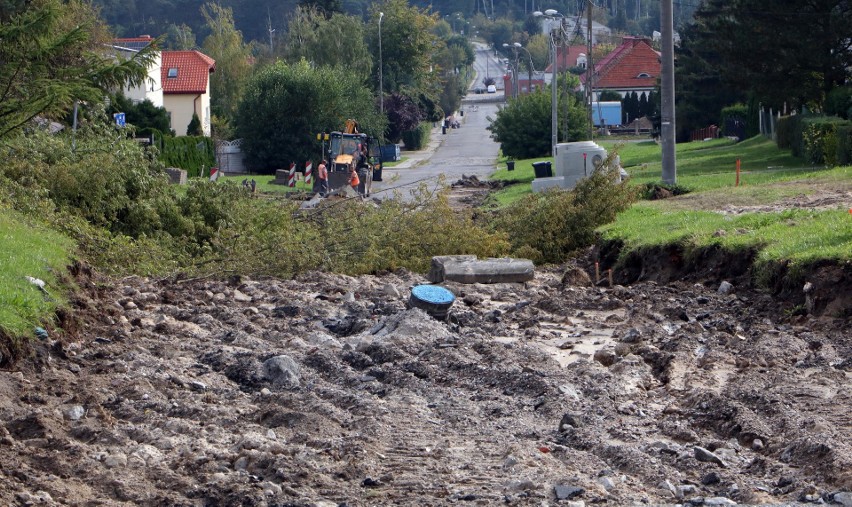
(336, 41)
(233, 59)
(408, 43)
(786, 50)
(285, 106)
(326, 7)
(51, 56)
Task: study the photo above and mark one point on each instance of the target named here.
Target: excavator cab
(343, 159)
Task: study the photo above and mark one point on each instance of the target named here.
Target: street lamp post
(381, 87)
(514, 49)
(529, 68)
(554, 139)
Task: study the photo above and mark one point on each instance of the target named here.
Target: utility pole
(667, 103)
(381, 84)
(271, 31)
(590, 68)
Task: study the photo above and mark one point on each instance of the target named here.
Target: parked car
(492, 89)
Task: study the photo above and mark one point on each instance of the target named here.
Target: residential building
(186, 88)
(634, 66)
(152, 88)
(178, 81)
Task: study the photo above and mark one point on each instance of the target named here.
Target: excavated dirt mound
(326, 390)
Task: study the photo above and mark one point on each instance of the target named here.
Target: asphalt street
(465, 151)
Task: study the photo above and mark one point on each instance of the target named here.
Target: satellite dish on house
(656, 35)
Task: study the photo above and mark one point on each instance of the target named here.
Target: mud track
(326, 390)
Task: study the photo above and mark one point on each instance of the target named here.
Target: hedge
(418, 138)
(785, 129)
(195, 154)
(819, 139)
(844, 145)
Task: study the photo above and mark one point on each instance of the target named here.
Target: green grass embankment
(29, 251)
(784, 209)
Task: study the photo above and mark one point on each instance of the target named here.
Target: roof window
(643, 74)
(172, 72)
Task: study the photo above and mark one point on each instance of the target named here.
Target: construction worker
(322, 178)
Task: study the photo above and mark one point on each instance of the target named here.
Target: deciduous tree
(284, 107)
(233, 60)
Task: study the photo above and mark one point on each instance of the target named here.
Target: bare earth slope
(326, 390)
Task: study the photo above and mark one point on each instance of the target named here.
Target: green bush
(844, 145)
(784, 131)
(523, 127)
(418, 138)
(819, 139)
(195, 154)
(549, 226)
(839, 102)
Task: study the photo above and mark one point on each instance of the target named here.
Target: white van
(492, 89)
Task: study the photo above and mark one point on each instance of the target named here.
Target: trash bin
(444, 129)
(542, 169)
(461, 112)
(510, 165)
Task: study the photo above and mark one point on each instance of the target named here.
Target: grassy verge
(29, 251)
(264, 183)
(394, 163)
(801, 237)
(700, 165)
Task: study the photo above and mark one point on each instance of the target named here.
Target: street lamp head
(551, 12)
(381, 15)
(517, 44)
(505, 45)
(538, 14)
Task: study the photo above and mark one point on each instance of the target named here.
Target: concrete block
(468, 269)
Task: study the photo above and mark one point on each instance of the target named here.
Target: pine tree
(45, 69)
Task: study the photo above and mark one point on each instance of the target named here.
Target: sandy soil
(327, 390)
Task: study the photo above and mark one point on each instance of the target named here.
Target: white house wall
(152, 89)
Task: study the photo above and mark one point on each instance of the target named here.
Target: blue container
(390, 152)
(433, 299)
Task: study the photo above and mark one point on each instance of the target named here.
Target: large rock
(469, 269)
(282, 371)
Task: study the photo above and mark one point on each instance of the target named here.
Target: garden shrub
(784, 129)
(549, 226)
(418, 138)
(844, 145)
(819, 139)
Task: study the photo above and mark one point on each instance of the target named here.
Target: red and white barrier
(292, 181)
(309, 166)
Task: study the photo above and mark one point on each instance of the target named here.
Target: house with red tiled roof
(152, 88)
(186, 88)
(568, 58)
(634, 66)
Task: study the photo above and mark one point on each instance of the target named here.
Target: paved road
(467, 150)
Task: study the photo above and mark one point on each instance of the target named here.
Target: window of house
(643, 74)
(172, 72)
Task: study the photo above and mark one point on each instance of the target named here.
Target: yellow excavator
(342, 148)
